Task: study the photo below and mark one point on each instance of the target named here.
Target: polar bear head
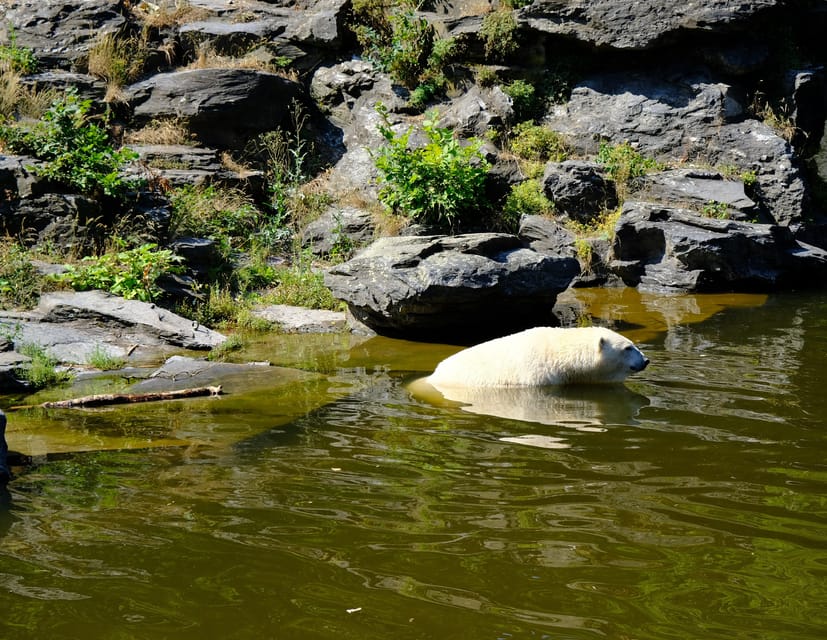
(618, 357)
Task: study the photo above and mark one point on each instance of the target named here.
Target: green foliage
(129, 273)
(20, 282)
(101, 359)
(539, 143)
(436, 184)
(499, 34)
(404, 45)
(526, 198)
(524, 99)
(623, 164)
(41, 372)
(216, 212)
(17, 59)
(715, 209)
(77, 151)
(303, 286)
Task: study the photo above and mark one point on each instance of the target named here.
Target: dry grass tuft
(171, 131)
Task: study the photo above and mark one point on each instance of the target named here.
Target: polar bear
(542, 356)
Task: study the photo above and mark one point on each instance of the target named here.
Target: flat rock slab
(300, 320)
(103, 308)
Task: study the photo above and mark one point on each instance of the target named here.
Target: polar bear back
(542, 356)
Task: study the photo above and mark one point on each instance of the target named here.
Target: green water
(691, 504)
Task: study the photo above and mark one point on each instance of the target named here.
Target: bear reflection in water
(581, 407)
(563, 377)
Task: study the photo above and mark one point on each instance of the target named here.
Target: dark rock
(339, 228)
(201, 255)
(697, 188)
(223, 106)
(547, 236)
(635, 26)
(60, 33)
(579, 189)
(478, 111)
(5, 474)
(688, 117)
(661, 248)
(451, 288)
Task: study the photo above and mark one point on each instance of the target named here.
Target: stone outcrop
(442, 287)
(689, 85)
(660, 248)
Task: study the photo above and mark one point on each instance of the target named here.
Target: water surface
(331, 503)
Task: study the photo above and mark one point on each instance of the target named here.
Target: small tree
(436, 184)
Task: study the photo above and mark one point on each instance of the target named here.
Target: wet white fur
(542, 356)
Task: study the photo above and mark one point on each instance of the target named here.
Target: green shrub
(129, 273)
(76, 151)
(17, 59)
(20, 282)
(41, 372)
(101, 359)
(715, 209)
(405, 46)
(534, 142)
(526, 198)
(499, 34)
(524, 99)
(436, 184)
(623, 164)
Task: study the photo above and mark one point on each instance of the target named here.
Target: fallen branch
(125, 398)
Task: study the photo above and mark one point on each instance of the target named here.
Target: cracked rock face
(460, 287)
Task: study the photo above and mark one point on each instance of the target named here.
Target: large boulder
(224, 107)
(685, 116)
(660, 248)
(60, 33)
(638, 26)
(456, 288)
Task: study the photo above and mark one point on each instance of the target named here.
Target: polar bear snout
(638, 361)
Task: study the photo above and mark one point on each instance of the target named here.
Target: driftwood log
(125, 398)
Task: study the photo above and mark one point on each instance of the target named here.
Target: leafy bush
(526, 198)
(41, 372)
(539, 143)
(524, 99)
(17, 59)
(129, 273)
(498, 32)
(20, 282)
(77, 151)
(404, 45)
(436, 184)
(623, 164)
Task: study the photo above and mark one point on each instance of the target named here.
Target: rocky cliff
(726, 98)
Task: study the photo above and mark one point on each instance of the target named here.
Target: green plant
(101, 359)
(624, 163)
(499, 34)
(526, 198)
(404, 45)
(301, 285)
(20, 282)
(715, 209)
(524, 99)
(603, 226)
(17, 59)
(436, 184)
(129, 273)
(41, 371)
(539, 143)
(232, 344)
(77, 152)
